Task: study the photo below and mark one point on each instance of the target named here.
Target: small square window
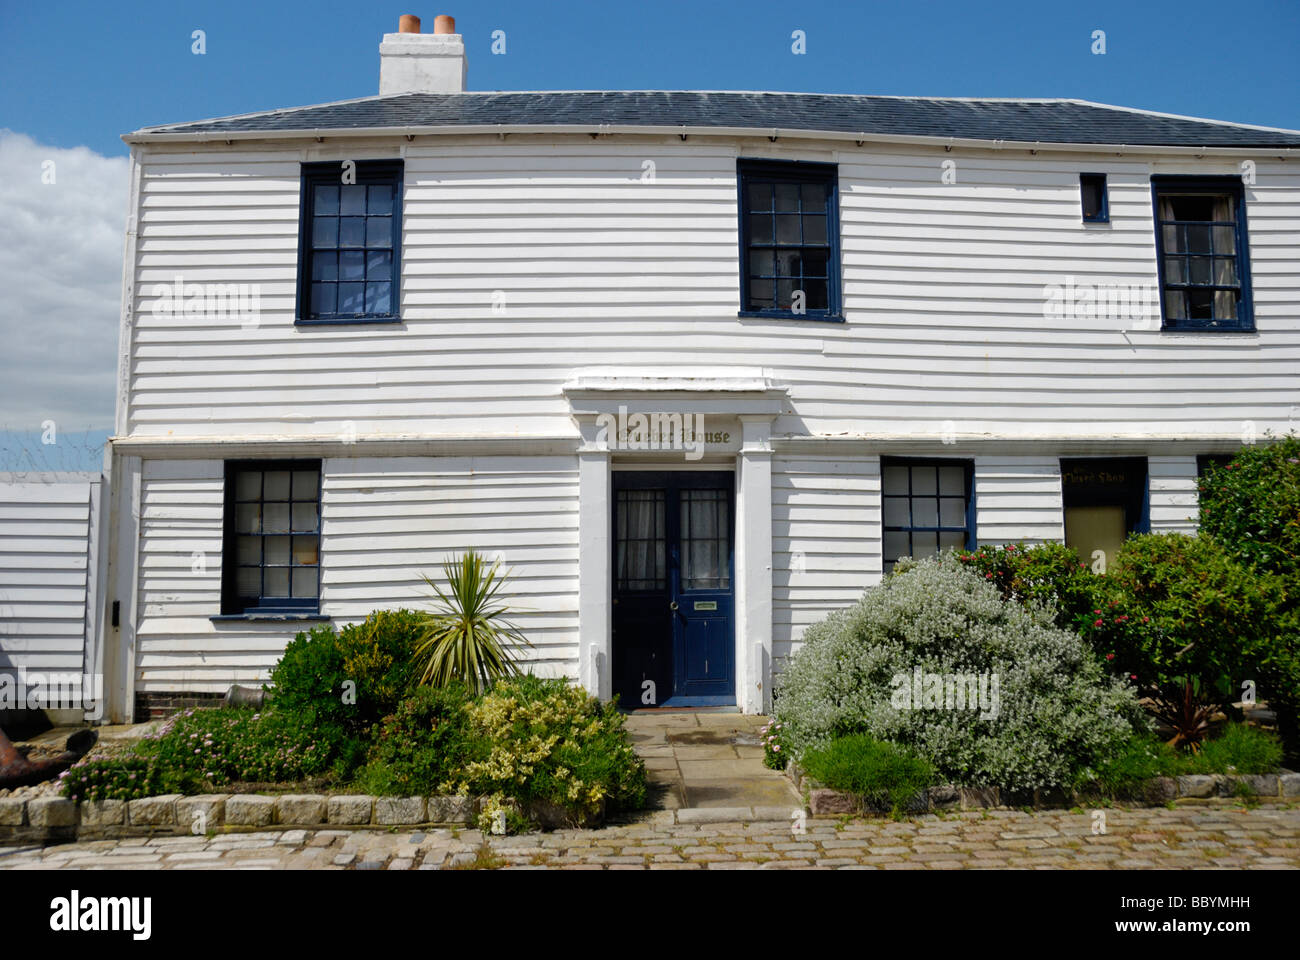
(350, 259)
(1092, 192)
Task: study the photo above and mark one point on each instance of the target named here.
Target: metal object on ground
(17, 771)
(238, 696)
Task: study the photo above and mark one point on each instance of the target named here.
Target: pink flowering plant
(775, 753)
(117, 778)
(195, 751)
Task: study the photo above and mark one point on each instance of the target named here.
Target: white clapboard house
(699, 367)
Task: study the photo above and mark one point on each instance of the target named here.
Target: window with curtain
(706, 539)
(271, 537)
(1201, 244)
(926, 507)
(350, 242)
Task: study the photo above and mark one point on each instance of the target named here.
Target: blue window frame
(789, 240)
(1093, 198)
(349, 242)
(927, 506)
(1202, 253)
(271, 537)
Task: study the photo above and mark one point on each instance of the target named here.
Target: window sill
(270, 617)
(776, 315)
(333, 321)
(1211, 331)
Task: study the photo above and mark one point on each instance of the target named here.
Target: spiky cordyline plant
(469, 637)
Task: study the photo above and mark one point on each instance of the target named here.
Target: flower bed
(348, 715)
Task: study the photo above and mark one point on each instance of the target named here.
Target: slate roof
(1028, 121)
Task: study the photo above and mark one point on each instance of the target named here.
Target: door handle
(672, 605)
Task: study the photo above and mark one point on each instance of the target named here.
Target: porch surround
(733, 394)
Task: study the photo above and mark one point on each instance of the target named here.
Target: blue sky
(75, 76)
(84, 73)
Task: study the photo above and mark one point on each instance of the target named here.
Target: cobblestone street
(1202, 837)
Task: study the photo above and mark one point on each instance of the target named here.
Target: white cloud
(60, 284)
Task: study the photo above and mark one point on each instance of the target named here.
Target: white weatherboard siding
(1018, 499)
(825, 541)
(944, 294)
(388, 522)
(1171, 482)
(48, 548)
(385, 522)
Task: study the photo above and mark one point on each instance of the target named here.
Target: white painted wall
(49, 545)
(1018, 499)
(943, 289)
(1171, 482)
(384, 524)
(826, 541)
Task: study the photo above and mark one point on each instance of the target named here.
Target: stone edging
(58, 818)
(823, 801)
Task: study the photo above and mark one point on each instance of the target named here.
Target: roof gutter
(608, 129)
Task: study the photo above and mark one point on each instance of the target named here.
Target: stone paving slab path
(701, 758)
(1207, 837)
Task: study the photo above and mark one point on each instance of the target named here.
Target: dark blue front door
(674, 643)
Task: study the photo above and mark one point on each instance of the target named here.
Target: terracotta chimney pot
(444, 24)
(409, 23)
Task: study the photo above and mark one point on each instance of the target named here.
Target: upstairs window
(271, 539)
(349, 267)
(1202, 253)
(1093, 199)
(789, 240)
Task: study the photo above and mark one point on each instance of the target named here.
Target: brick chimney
(415, 62)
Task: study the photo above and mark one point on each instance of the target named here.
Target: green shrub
(112, 778)
(347, 681)
(884, 773)
(1054, 714)
(534, 739)
(1252, 507)
(1050, 574)
(1188, 622)
(1239, 748)
(1143, 757)
(418, 749)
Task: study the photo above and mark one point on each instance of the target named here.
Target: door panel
(673, 600)
(642, 663)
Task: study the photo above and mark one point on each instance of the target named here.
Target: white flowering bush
(904, 664)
